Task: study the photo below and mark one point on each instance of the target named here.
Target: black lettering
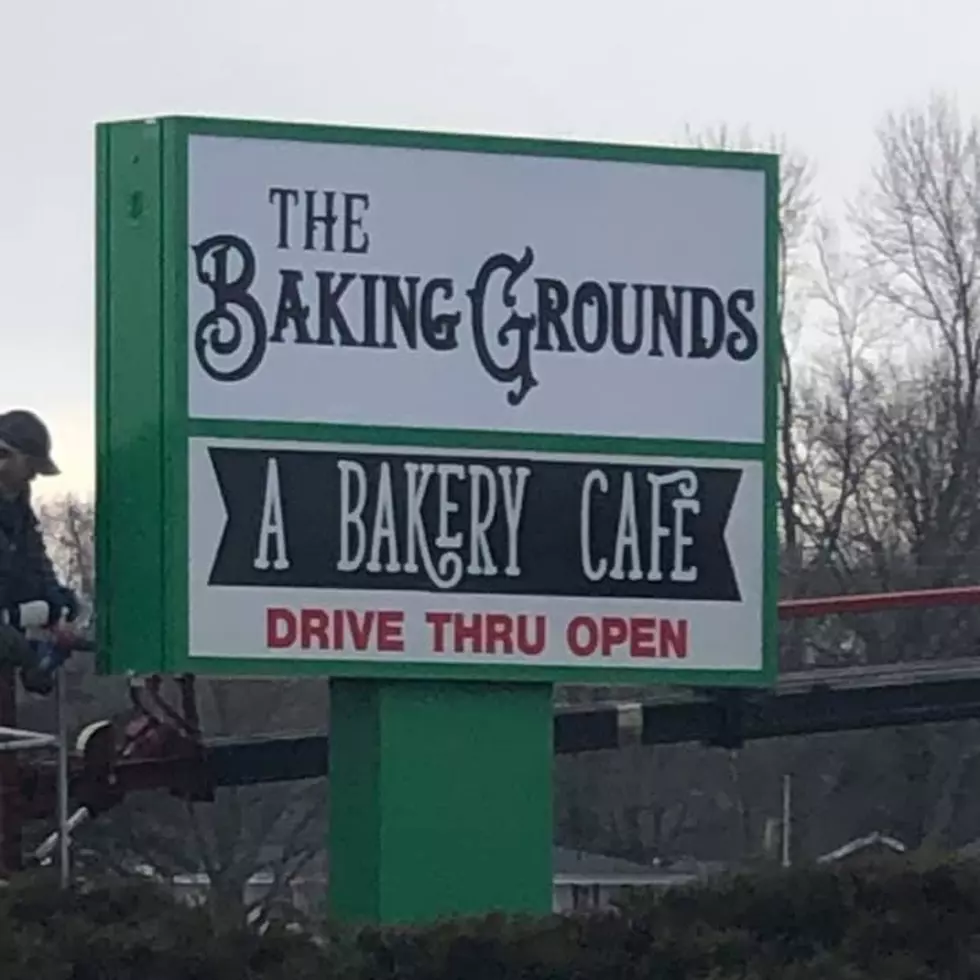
(403, 308)
(324, 220)
(701, 345)
(369, 313)
(590, 294)
(231, 300)
(331, 315)
(670, 319)
(743, 343)
(620, 344)
(291, 310)
(353, 221)
(552, 306)
(283, 197)
(519, 371)
(394, 310)
(439, 329)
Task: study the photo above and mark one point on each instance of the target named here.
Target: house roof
(876, 839)
(566, 860)
(576, 867)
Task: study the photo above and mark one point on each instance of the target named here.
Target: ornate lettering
(231, 302)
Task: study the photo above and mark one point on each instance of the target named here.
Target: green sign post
(450, 419)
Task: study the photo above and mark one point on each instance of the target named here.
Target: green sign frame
(143, 426)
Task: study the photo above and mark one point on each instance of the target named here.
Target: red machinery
(159, 746)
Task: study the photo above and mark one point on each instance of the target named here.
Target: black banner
(519, 526)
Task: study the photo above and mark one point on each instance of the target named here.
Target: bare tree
(834, 443)
(69, 526)
(269, 834)
(897, 444)
(643, 802)
(919, 225)
(885, 441)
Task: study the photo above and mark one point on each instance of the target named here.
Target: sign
(382, 554)
(436, 406)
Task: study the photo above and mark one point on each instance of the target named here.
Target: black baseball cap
(24, 431)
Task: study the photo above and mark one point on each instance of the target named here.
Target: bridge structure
(166, 749)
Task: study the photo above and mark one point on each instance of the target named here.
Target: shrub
(893, 921)
(131, 930)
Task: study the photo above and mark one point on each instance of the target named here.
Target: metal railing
(23, 740)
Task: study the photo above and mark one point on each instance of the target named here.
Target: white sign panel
(382, 286)
(367, 553)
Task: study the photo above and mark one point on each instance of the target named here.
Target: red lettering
(643, 637)
(573, 636)
(531, 646)
(674, 638)
(438, 621)
(614, 630)
(360, 629)
(468, 632)
(280, 628)
(488, 633)
(331, 629)
(500, 629)
(313, 625)
(391, 638)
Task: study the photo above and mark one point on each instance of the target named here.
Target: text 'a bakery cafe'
(547, 548)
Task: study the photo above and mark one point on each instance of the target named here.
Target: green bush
(894, 921)
(132, 930)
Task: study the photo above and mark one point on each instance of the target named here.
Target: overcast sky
(822, 74)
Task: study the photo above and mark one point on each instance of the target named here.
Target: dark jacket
(26, 572)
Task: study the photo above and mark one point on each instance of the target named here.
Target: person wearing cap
(30, 592)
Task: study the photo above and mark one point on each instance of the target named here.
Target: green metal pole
(440, 800)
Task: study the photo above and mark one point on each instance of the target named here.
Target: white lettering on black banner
(419, 522)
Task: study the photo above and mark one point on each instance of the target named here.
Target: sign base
(440, 800)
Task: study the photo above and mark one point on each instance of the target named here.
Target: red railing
(964, 595)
